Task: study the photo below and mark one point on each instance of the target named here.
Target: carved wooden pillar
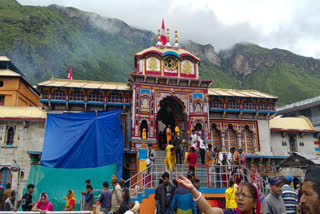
(223, 135)
(254, 141)
(239, 139)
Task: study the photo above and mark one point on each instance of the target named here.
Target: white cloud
(288, 24)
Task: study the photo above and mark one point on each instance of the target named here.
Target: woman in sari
(43, 205)
(71, 201)
(247, 199)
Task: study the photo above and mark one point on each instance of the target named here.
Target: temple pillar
(254, 141)
(223, 143)
(239, 139)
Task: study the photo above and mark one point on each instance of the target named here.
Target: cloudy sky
(288, 24)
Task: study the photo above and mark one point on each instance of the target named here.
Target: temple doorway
(171, 113)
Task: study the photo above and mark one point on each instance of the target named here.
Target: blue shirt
(290, 198)
(105, 198)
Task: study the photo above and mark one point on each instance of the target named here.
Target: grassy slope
(44, 43)
(285, 81)
(222, 79)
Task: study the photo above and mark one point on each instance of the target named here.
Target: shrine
(165, 89)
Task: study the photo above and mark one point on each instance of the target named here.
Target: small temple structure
(166, 89)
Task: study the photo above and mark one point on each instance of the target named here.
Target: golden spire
(159, 43)
(176, 44)
(159, 34)
(167, 34)
(176, 35)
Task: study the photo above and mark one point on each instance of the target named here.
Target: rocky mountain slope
(45, 41)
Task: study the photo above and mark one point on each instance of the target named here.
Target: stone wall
(278, 149)
(28, 136)
(264, 137)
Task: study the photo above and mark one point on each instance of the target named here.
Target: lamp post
(16, 168)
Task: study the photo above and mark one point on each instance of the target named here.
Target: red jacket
(192, 159)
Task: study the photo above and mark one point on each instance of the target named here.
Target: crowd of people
(242, 197)
(116, 200)
(221, 165)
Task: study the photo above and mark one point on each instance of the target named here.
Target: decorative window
(247, 140)
(45, 94)
(115, 97)
(21, 175)
(262, 106)
(231, 138)
(271, 106)
(1, 100)
(144, 129)
(95, 96)
(10, 135)
(293, 143)
(232, 104)
(248, 105)
(59, 95)
(127, 98)
(5, 176)
(76, 96)
(216, 139)
(145, 102)
(216, 103)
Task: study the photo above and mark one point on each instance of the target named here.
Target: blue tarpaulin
(83, 140)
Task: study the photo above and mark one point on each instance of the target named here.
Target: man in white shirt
(194, 138)
(203, 147)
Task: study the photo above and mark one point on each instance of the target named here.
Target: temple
(166, 89)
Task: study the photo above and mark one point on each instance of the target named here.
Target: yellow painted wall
(17, 93)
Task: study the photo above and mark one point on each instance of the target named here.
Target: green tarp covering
(57, 182)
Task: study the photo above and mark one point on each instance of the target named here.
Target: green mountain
(45, 41)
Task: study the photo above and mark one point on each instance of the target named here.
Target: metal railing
(214, 176)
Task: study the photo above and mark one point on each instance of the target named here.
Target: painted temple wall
(25, 139)
(264, 137)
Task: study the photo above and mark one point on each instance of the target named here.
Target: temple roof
(84, 84)
(22, 112)
(239, 93)
(163, 51)
(297, 124)
(8, 73)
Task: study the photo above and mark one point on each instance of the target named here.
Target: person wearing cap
(116, 198)
(125, 193)
(273, 203)
(289, 196)
(9, 203)
(310, 199)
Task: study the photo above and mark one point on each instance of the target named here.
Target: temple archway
(171, 113)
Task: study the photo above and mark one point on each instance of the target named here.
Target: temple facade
(166, 89)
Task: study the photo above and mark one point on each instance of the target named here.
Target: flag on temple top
(163, 37)
(70, 73)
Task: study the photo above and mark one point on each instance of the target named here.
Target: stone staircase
(159, 168)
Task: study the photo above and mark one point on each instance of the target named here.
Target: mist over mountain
(45, 41)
